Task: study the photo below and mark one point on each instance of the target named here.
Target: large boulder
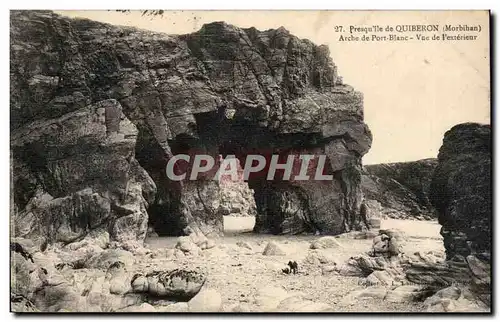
(186, 244)
(98, 110)
(320, 256)
(175, 284)
(461, 190)
(389, 242)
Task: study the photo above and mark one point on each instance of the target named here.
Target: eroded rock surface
(237, 199)
(76, 173)
(461, 190)
(98, 110)
(112, 280)
(392, 275)
(400, 190)
(175, 284)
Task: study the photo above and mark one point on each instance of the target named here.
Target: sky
(413, 91)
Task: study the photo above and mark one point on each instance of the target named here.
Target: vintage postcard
(250, 161)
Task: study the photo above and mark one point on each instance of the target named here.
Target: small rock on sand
(329, 269)
(186, 244)
(274, 249)
(316, 257)
(244, 244)
(325, 242)
(405, 293)
(206, 301)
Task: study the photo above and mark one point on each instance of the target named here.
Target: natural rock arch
(219, 90)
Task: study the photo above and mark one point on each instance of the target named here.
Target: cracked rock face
(402, 188)
(97, 111)
(461, 190)
(76, 173)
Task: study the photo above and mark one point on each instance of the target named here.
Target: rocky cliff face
(401, 189)
(461, 190)
(98, 110)
(76, 173)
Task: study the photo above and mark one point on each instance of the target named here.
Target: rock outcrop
(388, 273)
(98, 110)
(106, 281)
(401, 189)
(461, 193)
(461, 190)
(236, 197)
(76, 173)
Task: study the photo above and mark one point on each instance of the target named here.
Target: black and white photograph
(250, 161)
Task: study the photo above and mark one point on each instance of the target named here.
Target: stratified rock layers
(401, 188)
(461, 190)
(98, 110)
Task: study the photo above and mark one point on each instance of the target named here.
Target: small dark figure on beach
(294, 267)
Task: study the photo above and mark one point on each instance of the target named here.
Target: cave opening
(227, 205)
(237, 203)
(164, 219)
(212, 135)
